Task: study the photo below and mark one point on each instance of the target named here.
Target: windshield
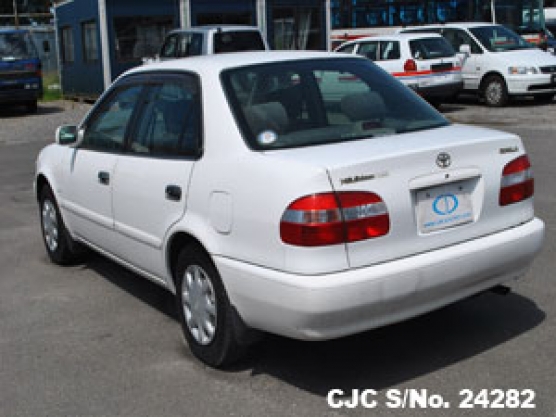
(499, 39)
(431, 48)
(16, 45)
(302, 103)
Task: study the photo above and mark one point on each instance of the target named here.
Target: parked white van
(499, 63)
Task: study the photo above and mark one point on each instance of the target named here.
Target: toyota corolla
(269, 197)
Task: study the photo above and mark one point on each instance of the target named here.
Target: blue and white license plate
(444, 206)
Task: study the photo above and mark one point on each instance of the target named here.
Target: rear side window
(245, 40)
(170, 122)
(431, 48)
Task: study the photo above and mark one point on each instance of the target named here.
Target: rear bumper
(17, 93)
(339, 304)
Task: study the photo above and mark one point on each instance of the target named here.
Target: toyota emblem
(443, 160)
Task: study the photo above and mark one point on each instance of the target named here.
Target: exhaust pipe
(501, 290)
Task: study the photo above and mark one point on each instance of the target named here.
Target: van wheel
(206, 317)
(495, 91)
(61, 248)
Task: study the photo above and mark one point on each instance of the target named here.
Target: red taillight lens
(410, 65)
(517, 181)
(334, 218)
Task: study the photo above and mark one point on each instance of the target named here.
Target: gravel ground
(16, 126)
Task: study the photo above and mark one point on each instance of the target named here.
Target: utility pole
(16, 17)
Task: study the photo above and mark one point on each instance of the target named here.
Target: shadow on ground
(376, 359)
(15, 111)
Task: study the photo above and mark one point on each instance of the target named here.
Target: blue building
(100, 39)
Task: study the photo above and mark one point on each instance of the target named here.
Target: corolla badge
(443, 160)
(445, 204)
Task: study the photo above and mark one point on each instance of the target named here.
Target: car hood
(527, 57)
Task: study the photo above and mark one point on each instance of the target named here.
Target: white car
(500, 64)
(235, 183)
(425, 62)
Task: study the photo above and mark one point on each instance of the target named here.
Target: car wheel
(495, 91)
(206, 316)
(59, 245)
(32, 106)
(544, 98)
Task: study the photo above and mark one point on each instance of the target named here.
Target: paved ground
(95, 340)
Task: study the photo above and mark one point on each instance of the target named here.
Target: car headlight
(522, 70)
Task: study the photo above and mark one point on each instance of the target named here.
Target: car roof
(212, 28)
(4, 30)
(466, 25)
(397, 36)
(205, 64)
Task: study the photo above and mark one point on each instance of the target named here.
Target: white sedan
(268, 202)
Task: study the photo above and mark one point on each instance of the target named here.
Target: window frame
(65, 47)
(84, 46)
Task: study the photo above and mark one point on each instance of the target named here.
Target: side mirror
(465, 49)
(67, 135)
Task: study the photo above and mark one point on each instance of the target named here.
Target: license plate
(444, 206)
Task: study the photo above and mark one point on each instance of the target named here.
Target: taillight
(410, 65)
(517, 181)
(334, 218)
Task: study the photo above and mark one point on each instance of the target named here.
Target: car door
(473, 65)
(88, 169)
(151, 179)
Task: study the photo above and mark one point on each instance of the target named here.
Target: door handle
(104, 177)
(173, 192)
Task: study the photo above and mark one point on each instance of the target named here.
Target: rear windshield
(499, 39)
(302, 103)
(244, 40)
(16, 45)
(431, 48)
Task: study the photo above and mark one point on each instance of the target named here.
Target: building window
(66, 37)
(140, 36)
(90, 44)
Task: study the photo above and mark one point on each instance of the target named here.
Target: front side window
(190, 44)
(106, 129)
(369, 50)
(304, 103)
(170, 47)
(170, 123)
(90, 44)
(499, 39)
(458, 37)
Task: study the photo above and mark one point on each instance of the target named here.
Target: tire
(544, 98)
(32, 106)
(207, 319)
(495, 91)
(61, 248)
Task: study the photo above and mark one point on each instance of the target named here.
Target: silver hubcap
(50, 225)
(199, 304)
(494, 92)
